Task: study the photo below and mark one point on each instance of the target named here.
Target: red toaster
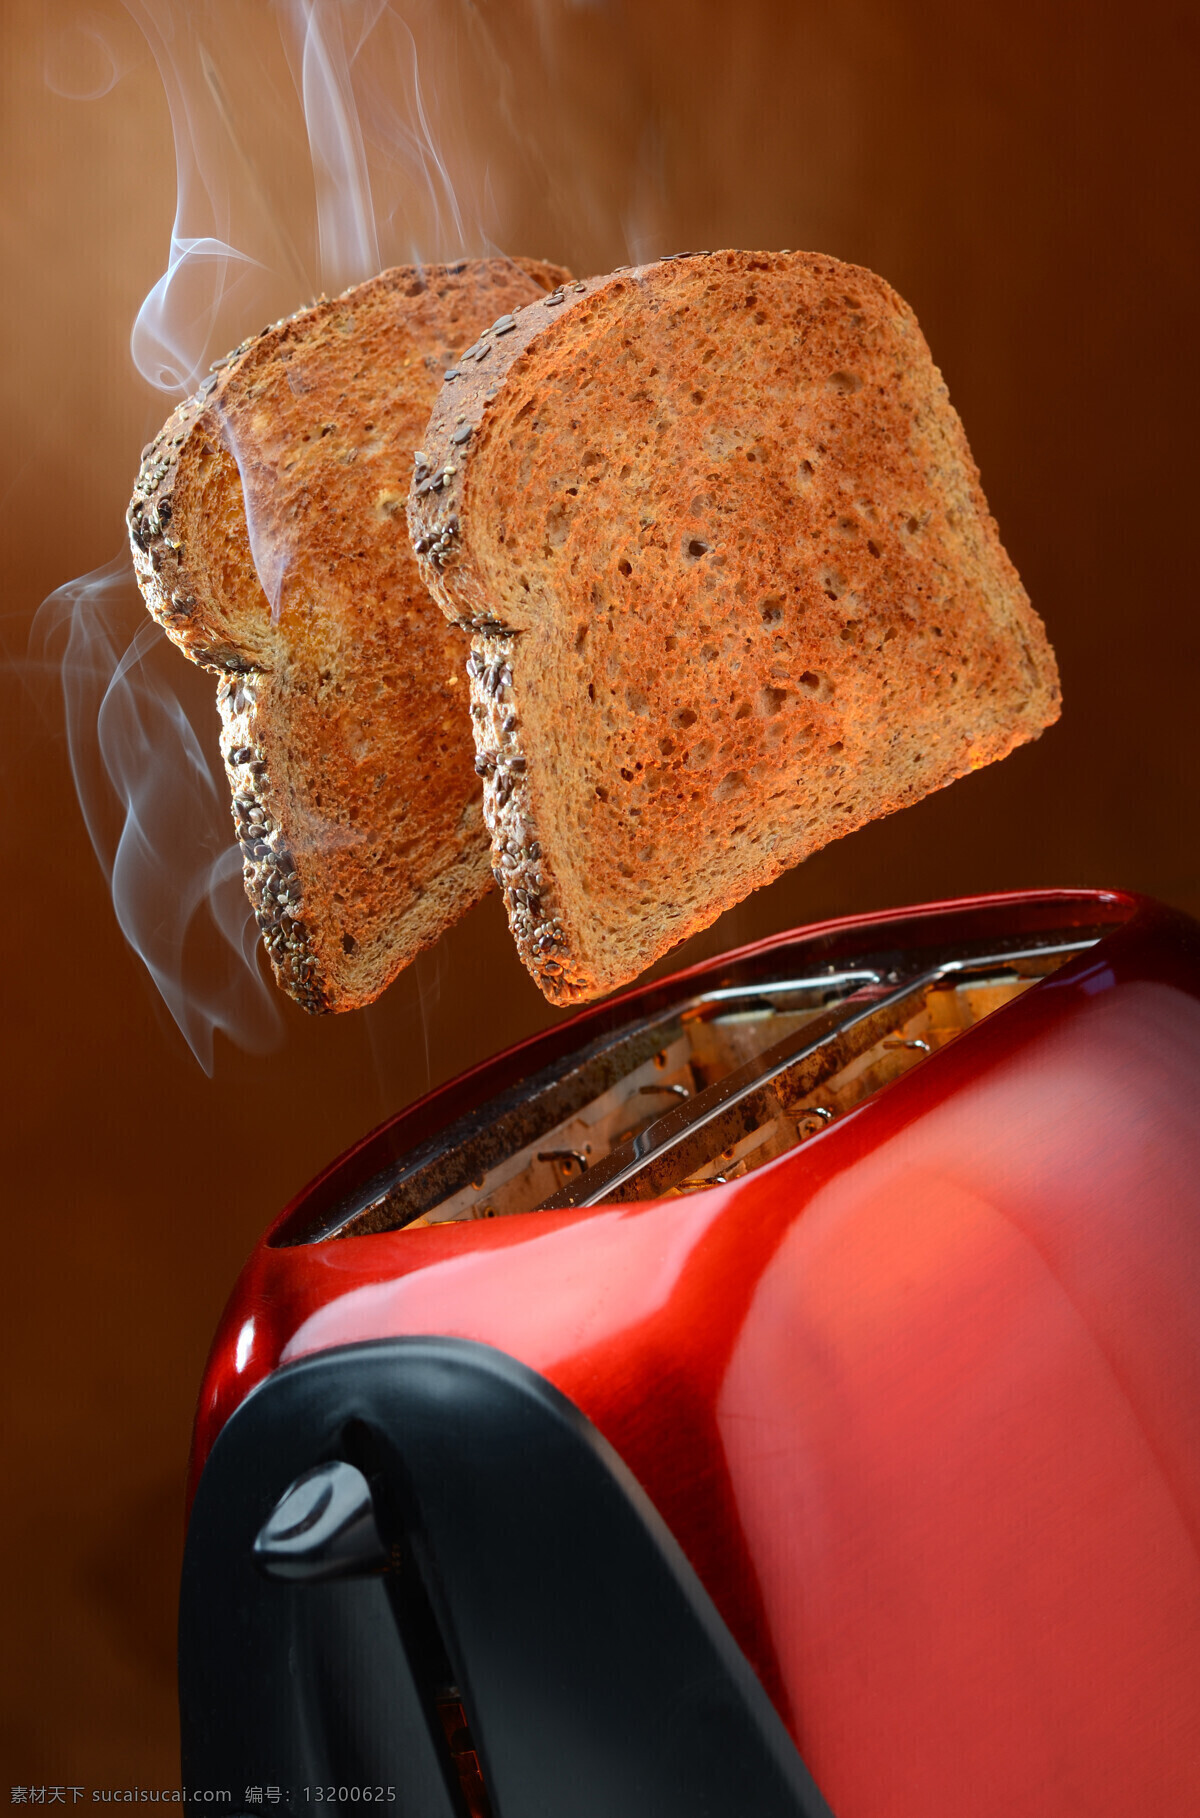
(773, 1391)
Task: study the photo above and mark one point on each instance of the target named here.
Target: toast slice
(269, 541)
(733, 587)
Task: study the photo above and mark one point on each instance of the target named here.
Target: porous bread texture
(268, 536)
(734, 591)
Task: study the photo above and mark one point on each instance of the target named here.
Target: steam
(83, 63)
(321, 63)
(176, 327)
(163, 846)
(373, 156)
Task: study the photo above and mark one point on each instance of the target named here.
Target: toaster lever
(322, 1527)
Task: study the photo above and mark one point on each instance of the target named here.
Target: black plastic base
(528, 1569)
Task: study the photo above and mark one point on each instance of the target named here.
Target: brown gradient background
(1025, 174)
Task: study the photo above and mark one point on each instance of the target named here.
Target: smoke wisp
(163, 845)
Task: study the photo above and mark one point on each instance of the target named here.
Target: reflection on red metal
(920, 1399)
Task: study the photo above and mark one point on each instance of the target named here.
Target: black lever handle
(323, 1527)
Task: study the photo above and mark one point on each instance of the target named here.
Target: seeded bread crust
(732, 585)
(268, 539)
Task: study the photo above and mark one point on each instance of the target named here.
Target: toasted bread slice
(733, 586)
(269, 540)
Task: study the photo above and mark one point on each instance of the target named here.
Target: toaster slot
(703, 1093)
(808, 1077)
(520, 1147)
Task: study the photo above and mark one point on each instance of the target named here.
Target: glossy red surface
(920, 1399)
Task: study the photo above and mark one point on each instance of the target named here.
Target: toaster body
(774, 1390)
